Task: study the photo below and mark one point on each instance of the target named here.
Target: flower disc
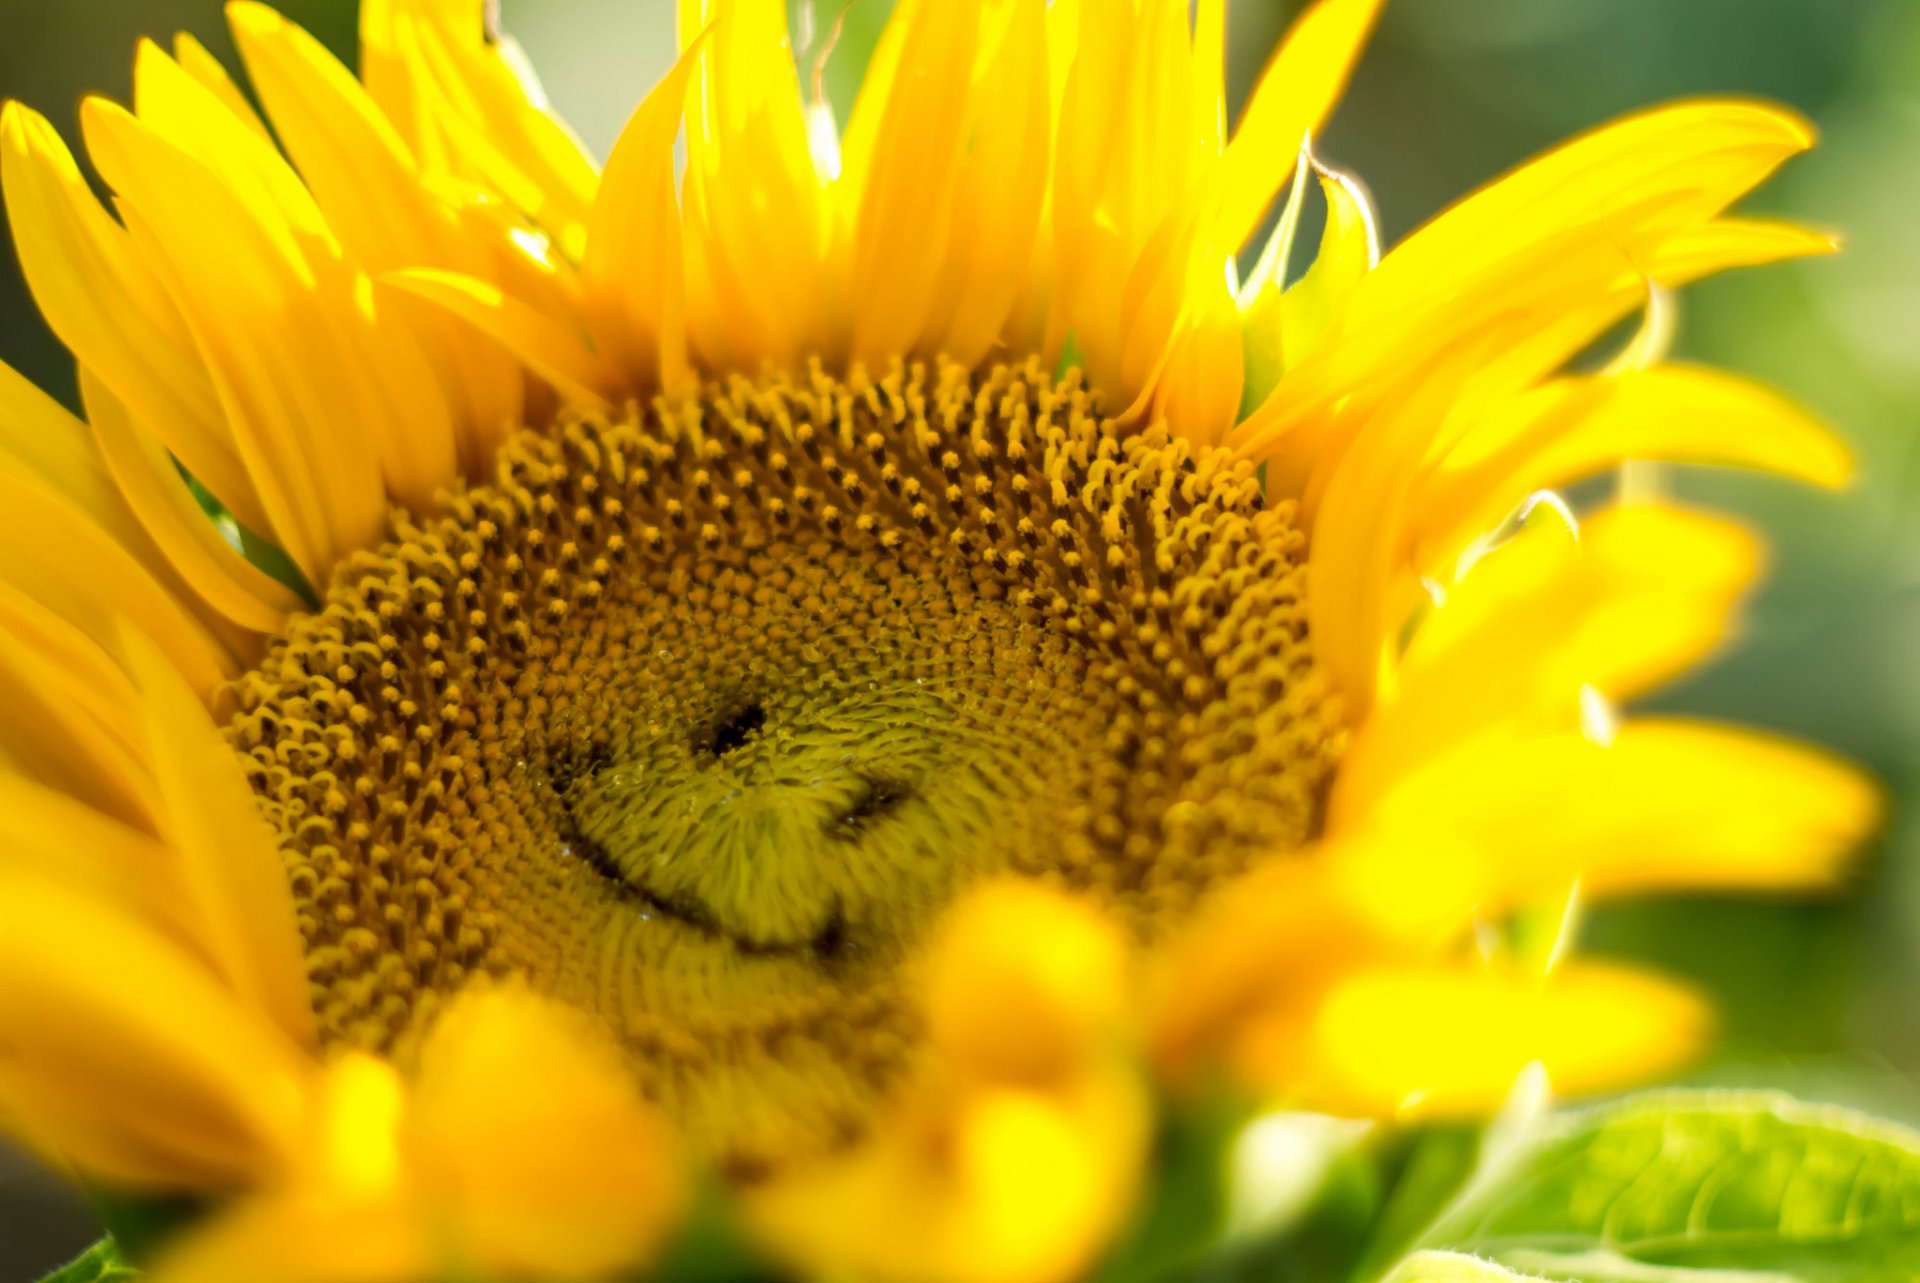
(697, 718)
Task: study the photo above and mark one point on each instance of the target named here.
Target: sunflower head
(867, 649)
(698, 719)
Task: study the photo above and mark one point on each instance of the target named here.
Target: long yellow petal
(69, 726)
(70, 564)
(1696, 158)
(229, 860)
(999, 190)
(50, 834)
(383, 209)
(213, 568)
(1644, 594)
(182, 110)
(309, 1238)
(758, 235)
(1180, 342)
(576, 1180)
(42, 443)
(141, 1069)
(112, 310)
(562, 358)
(1292, 99)
(1575, 233)
(352, 160)
(1665, 805)
(44, 447)
(196, 61)
(466, 105)
(1575, 427)
(1128, 208)
(1442, 1042)
(633, 287)
(1358, 533)
(907, 178)
(381, 376)
(263, 322)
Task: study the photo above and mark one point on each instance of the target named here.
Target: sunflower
(848, 660)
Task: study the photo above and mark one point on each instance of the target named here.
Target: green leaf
(100, 1263)
(1452, 1267)
(1697, 1187)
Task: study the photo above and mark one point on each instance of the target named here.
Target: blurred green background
(1816, 997)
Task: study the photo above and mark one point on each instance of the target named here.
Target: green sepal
(101, 1263)
(1260, 339)
(1348, 250)
(140, 1224)
(1071, 357)
(1280, 324)
(711, 1247)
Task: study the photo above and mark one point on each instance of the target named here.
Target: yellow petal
(380, 376)
(228, 857)
(1448, 1041)
(1209, 76)
(49, 834)
(1349, 248)
(271, 334)
(139, 1067)
(1263, 943)
(633, 288)
(1197, 387)
(1132, 227)
(1000, 1186)
(906, 178)
(466, 104)
(1261, 293)
(1295, 94)
(575, 1180)
(1643, 595)
(196, 61)
(1358, 532)
(353, 162)
(755, 205)
(561, 358)
(1692, 159)
(71, 564)
(175, 521)
(182, 110)
(302, 1240)
(1666, 805)
(374, 197)
(111, 309)
(1574, 427)
(1573, 234)
(69, 726)
(42, 444)
(999, 189)
(1024, 983)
